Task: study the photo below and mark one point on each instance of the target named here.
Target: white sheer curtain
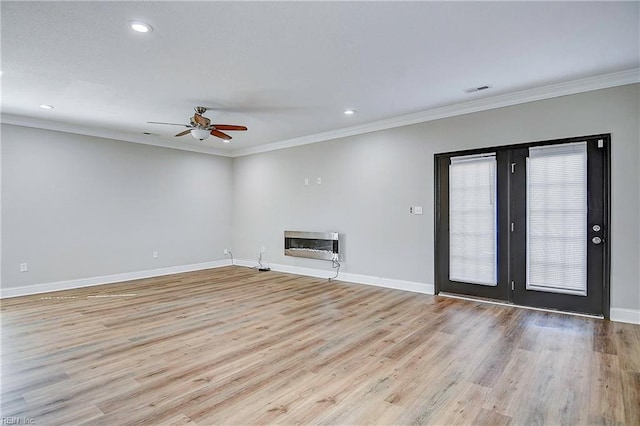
(472, 219)
(557, 218)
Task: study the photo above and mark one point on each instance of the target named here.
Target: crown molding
(546, 92)
(524, 96)
(18, 120)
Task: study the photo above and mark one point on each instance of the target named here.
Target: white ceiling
(288, 70)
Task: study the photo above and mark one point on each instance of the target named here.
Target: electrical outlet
(226, 252)
(24, 267)
(411, 210)
(417, 209)
(319, 180)
(263, 249)
(306, 181)
(155, 254)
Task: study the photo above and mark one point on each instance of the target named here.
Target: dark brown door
(472, 242)
(560, 226)
(526, 224)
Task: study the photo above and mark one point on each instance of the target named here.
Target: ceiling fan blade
(229, 127)
(171, 124)
(221, 135)
(203, 121)
(186, 132)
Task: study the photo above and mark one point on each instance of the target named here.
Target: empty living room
(320, 212)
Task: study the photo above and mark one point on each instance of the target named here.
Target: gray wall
(369, 181)
(79, 206)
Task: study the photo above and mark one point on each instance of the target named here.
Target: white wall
(369, 181)
(75, 207)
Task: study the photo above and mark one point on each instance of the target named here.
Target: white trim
(605, 81)
(413, 286)
(18, 120)
(107, 279)
(631, 316)
(546, 92)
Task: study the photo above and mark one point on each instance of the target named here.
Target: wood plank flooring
(240, 347)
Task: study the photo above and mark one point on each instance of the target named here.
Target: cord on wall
(262, 268)
(335, 265)
(230, 255)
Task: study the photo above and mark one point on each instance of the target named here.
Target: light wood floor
(237, 346)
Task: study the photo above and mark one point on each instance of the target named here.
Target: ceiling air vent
(477, 89)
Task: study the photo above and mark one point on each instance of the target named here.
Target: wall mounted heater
(314, 245)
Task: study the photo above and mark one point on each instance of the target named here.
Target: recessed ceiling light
(141, 27)
(349, 112)
(45, 106)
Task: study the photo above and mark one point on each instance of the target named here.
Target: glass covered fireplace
(315, 245)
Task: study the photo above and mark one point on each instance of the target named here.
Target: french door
(526, 224)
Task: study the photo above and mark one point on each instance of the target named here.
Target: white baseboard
(631, 316)
(416, 287)
(107, 279)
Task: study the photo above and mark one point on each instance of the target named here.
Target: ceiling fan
(200, 126)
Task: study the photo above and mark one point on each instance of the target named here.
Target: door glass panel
(557, 219)
(472, 219)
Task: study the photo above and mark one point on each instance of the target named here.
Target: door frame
(441, 235)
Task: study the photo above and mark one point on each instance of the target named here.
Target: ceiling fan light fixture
(200, 134)
(141, 27)
(349, 111)
(200, 127)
